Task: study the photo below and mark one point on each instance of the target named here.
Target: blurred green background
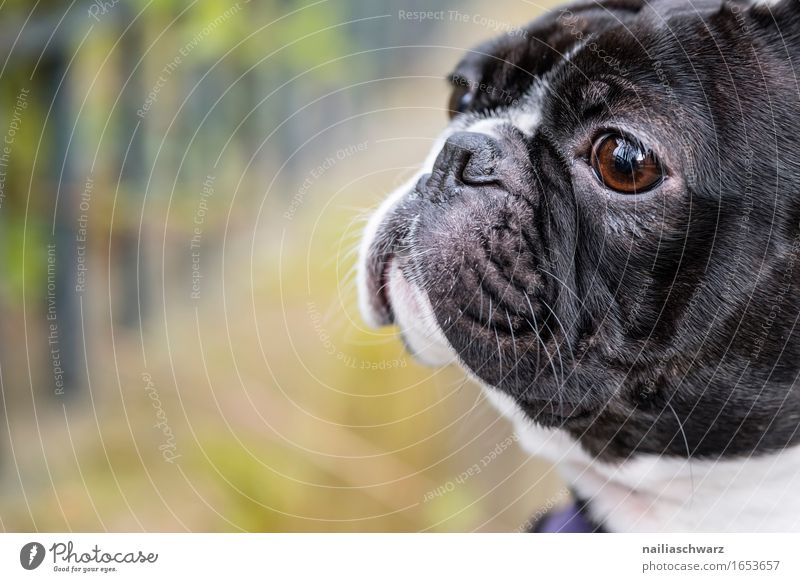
(182, 186)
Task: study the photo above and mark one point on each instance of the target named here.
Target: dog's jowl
(607, 237)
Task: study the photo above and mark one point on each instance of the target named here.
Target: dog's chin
(413, 314)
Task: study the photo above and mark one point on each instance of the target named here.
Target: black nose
(467, 158)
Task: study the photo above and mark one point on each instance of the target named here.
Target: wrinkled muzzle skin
(658, 322)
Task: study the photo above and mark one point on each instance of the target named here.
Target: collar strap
(568, 519)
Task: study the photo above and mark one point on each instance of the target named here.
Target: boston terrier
(606, 237)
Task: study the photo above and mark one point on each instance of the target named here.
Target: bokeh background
(182, 186)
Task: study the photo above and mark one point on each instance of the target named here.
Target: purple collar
(569, 519)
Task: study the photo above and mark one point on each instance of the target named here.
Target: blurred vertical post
(129, 254)
(292, 134)
(52, 84)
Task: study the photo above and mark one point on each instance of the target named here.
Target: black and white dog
(606, 237)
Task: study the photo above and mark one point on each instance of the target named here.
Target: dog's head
(608, 229)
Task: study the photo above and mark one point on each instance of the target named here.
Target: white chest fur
(649, 493)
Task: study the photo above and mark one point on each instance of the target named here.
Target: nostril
(454, 156)
(468, 157)
(479, 169)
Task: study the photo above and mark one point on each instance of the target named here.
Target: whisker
(514, 347)
(688, 451)
(562, 283)
(556, 342)
(535, 327)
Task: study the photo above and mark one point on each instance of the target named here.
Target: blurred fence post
(130, 253)
(65, 340)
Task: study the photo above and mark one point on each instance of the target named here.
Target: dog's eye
(460, 100)
(625, 166)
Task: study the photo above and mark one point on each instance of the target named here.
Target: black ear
(771, 19)
(502, 69)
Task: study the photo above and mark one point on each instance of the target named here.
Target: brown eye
(625, 166)
(460, 98)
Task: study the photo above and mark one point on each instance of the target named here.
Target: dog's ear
(496, 73)
(773, 22)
